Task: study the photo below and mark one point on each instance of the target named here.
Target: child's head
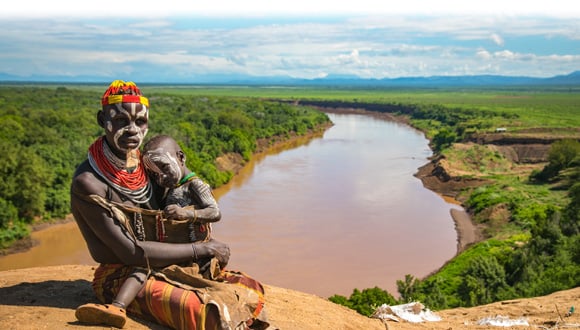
(164, 160)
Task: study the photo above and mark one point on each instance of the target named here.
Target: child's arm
(207, 209)
(176, 212)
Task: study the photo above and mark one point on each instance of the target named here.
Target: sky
(181, 40)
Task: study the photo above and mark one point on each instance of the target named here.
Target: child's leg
(132, 285)
(114, 314)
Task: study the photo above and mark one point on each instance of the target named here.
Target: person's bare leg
(130, 288)
(114, 314)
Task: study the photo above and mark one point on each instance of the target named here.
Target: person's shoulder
(195, 181)
(85, 181)
(197, 184)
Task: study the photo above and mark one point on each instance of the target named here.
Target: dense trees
(366, 301)
(541, 254)
(45, 133)
(446, 125)
(564, 163)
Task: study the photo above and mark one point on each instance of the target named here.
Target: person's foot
(102, 314)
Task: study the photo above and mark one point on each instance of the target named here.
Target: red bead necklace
(134, 180)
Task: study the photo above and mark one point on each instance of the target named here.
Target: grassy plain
(534, 106)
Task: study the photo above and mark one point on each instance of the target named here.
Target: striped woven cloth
(236, 301)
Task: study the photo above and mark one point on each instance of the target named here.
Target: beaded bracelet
(119, 304)
(194, 252)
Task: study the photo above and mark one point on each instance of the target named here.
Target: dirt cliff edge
(46, 298)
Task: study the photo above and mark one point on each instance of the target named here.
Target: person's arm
(207, 209)
(160, 254)
(109, 242)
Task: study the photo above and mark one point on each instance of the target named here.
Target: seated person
(116, 207)
(165, 162)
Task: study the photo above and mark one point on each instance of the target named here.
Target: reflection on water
(339, 212)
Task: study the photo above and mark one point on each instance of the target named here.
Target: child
(188, 199)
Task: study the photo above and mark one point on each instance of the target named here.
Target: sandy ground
(46, 298)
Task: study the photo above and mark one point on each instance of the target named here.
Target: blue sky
(180, 41)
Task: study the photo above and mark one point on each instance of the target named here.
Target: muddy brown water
(323, 216)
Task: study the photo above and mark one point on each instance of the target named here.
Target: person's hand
(176, 212)
(219, 250)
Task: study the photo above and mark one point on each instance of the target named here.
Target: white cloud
(483, 54)
(505, 54)
(352, 58)
(372, 46)
(497, 39)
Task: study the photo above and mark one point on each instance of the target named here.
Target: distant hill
(453, 81)
(572, 79)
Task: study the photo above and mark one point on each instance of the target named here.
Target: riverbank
(435, 178)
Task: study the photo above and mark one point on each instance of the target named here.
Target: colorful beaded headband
(123, 92)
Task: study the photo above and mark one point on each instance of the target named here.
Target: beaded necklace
(185, 179)
(134, 185)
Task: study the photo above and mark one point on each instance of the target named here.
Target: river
(322, 216)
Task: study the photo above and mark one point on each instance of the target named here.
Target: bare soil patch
(46, 298)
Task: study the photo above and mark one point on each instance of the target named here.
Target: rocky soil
(46, 298)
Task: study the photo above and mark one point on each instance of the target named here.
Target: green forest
(534, 249)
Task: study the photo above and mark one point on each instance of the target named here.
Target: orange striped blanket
(180, 298)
